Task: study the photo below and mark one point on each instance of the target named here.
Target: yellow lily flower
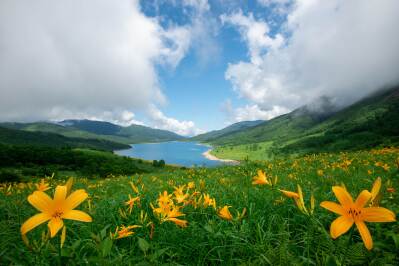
(172, 215)
(225, 214)
(178, 222)
(69, 185)
(134, 188)
(55, 210)
(179, 189)
(131, 202)
(208, 201)
(375, 192)
(191, 185)
(42, 186)
(181, 198)
(298, 198)
(355, 213)
(124, 231)
(261, 179)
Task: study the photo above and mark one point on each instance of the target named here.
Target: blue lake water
(173, 152)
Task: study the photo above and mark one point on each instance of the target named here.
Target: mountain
(367, 123)
(213, 135)
(130, 134)
(96, 127)
(147, 134)
(88, 129)
(11, 136)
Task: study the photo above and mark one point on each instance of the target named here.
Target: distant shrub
(160, 163)
(42, 161)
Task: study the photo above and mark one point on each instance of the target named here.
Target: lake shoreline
(212, 157)
(180, 153)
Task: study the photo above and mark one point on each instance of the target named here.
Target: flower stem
(348, 244)
(59, 253)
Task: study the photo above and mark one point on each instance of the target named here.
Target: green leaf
(106, 246)
(158, 253)
(143, 244)
(209, 228)
(331, 261)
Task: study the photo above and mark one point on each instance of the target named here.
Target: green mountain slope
(22, 137)
(146, 134)
(100, 130)
(130, 134)
(96, 127)
(367, 123)
(213, 135)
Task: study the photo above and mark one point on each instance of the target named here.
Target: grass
(257, 151)
(368, 123)
(272, 231)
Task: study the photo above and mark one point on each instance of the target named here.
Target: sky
(190, 66)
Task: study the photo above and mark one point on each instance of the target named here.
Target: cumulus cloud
(341, 49)
(273, 2)
(184, 128)
(250, 112)
(74, 59)
(254, 33)
(116, 116)
(201, 6)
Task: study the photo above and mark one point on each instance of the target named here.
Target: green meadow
(265, 227)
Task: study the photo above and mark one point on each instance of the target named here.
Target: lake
(173, 152)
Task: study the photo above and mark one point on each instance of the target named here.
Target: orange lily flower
(55, 210)
(42, 186)
(261, 179)
(355, 213)
(224, 213)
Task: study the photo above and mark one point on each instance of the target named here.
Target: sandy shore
(211, 157)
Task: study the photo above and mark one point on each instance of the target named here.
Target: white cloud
(178, 39)
(342, 49)
(116, 116)
(73, 59)
(253, 112)
(250, 112)
(184, 128)
(201, 6)
(273, 2)
(254, 33)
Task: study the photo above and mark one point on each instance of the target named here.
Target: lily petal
(179, 222)
(63, 235)
(34, 221)
(376, 188)
(300, 194)
(378, 214)
(333, 207)
(69, 185)
(342, 195)
(76, 198)
(77, 216)
(40, 200)
(60, 194)
(340, 226)
(261, 174)
(363, 198)
(55, 225)
(290, 194)
(365, 234)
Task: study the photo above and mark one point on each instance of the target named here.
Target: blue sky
(190, 66)
(198, 87)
